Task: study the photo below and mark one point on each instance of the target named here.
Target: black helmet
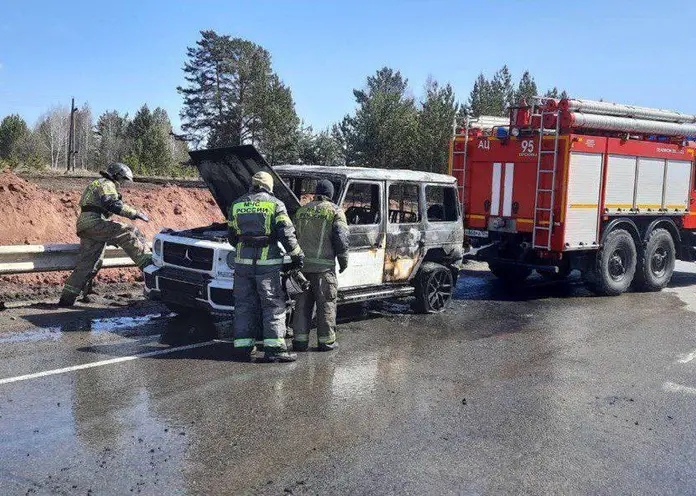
(118, 172)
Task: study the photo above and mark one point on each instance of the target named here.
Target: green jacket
(257, 222)
(322, 231)
(100, 201)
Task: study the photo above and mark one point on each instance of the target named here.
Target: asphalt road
(547, 390)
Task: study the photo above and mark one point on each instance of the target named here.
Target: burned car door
(363, 204)
(404, 232)
(443, 220)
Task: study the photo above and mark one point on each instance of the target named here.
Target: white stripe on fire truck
(507, 191)
(495, 189)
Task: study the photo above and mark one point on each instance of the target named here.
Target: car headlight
(157, 248)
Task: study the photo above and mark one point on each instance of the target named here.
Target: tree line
(231, 96)
(144, 142)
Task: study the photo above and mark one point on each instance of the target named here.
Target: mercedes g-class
(406, 233)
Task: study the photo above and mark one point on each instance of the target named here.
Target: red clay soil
(30, 214)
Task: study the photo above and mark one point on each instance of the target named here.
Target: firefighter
(99, 202)
(258, 222)
(323, 232)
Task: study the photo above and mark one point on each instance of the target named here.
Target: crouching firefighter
(258, 221)
(99, 202)
(323, 232)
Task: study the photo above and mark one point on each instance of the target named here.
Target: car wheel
(614, 266)
(508, 273)
(434, 285)
(656, 262)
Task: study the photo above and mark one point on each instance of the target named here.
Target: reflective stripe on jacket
(103, 199)
(322, 231)
(259, 216)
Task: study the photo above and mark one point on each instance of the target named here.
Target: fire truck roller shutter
(677, 185)
(651, 174)
(621, 183)
(662, 186)
(582, 207)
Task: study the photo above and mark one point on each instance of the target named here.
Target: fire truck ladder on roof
(459, 172)
(543, 213)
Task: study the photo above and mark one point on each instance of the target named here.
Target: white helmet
(119, 172)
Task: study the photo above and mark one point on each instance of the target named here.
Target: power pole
(70, 159)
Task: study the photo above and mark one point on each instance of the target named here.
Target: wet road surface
(544, 390)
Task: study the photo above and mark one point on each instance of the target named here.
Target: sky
(121, 54)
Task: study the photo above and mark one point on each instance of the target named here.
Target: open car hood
(227, 173)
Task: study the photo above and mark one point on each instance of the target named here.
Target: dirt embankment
(30, 214)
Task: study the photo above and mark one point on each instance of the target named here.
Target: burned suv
(406, 233)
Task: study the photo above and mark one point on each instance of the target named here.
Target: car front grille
(192, 257)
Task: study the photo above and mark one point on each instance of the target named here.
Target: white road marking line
(678, 388)
(101, 363)
(687, 358)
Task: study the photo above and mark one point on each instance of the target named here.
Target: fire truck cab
(604, 188)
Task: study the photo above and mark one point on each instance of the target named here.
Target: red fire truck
(604, 188)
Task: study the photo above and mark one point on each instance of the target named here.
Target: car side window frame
(381, 200)
(457, 207)
(419, 196)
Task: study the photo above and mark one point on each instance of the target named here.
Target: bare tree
(52, 130)
(84, 137)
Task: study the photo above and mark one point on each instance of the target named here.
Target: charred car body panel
(398, 221)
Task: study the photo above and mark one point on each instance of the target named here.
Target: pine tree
(12, 130)
(479, 99)
(435, 118)
(280, 125)
(148, 142)
(318, 148)
(383, 131)
(111, 143)
(233, 97)
(526, 88)
(554, 93)
(502, 93)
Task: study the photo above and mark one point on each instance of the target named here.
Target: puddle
(51, 334)
(122, 326)
(112, 324)
(682, 284)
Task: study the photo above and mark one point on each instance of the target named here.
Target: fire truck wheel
(615, 265)
(434, 285)
(656, 262)
(509, 274)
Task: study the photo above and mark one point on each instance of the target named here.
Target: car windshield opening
(304, 187)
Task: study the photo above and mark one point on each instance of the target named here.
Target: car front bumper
(189, 289)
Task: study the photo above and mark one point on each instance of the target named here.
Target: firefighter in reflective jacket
(258, 222)
(99, 202)
(323, 232)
